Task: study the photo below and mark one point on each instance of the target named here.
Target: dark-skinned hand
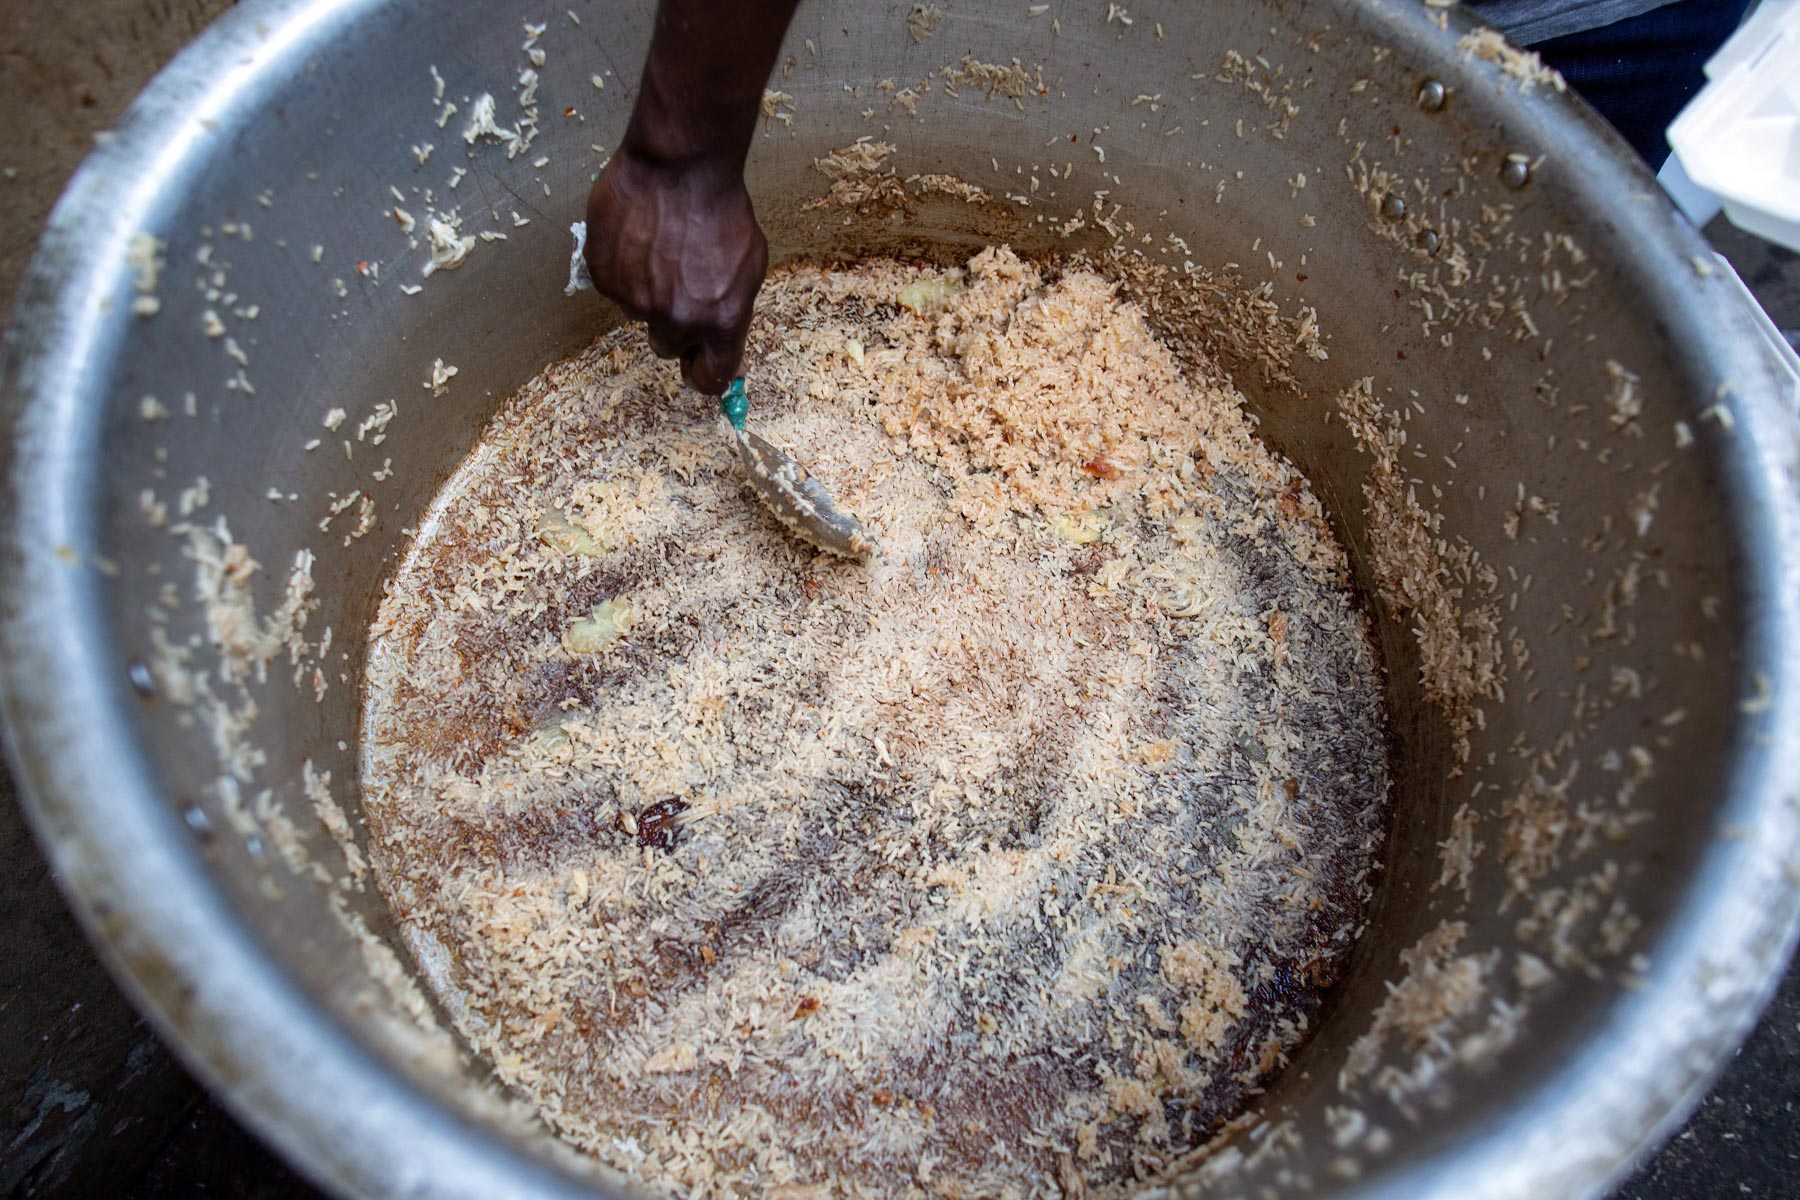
(676, 245)
(671, 236)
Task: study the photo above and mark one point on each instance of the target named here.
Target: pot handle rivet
(195, 818)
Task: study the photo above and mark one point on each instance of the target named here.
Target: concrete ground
(92, 1104)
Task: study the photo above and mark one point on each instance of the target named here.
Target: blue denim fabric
(1525, 22)
(1640, 72)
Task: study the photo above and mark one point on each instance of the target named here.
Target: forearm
(703, 80)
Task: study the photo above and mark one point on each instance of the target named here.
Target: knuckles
(690, 265)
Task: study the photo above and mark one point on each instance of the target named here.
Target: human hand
(676, 245)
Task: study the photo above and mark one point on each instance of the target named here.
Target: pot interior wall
(1511, 331)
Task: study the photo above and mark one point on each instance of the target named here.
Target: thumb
(713, 364)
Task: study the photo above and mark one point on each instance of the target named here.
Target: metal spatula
(797, 499)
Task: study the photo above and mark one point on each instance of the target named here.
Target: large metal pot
(1587, 411)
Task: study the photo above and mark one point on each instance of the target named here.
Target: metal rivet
(1516, 172)
(1432, 95)
(196, 819)
(1393, 207)
(1427, 241)
(141, 679)
(254, 845)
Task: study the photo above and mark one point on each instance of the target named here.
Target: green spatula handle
(735, 404)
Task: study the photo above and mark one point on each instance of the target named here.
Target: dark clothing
(1640, 72)
(1527, 21)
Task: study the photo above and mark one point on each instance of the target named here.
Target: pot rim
(284, 1065)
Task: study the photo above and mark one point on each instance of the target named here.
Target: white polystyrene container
(1739, 139)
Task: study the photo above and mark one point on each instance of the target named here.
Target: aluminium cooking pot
(1600, 827)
